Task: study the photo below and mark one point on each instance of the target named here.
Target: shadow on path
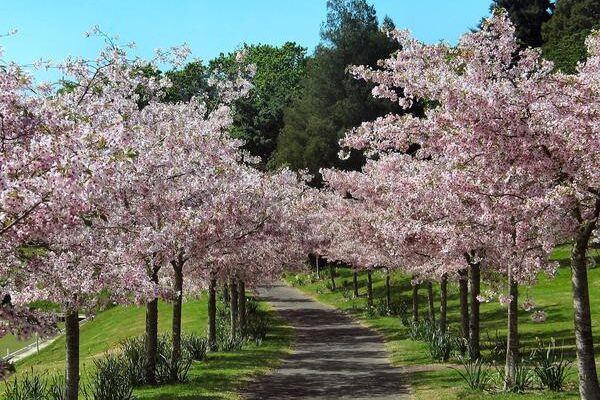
(333, 358)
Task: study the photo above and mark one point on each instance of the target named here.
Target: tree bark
(431, 306)
(233, 308)
(463, 284)
(226, 298)
(242, 306)
(72, 345)
(332, 275)
(415, 302)
(355, 283)
(586, 363)
(475, 281)
(151, 334)
(318, 271)
(388, 291)
(369, 290)
(443, 303)
(512, 338)
(212, 315)
(176, 321)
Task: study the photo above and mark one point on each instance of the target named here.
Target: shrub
(133, 351)
(195, 346)
(440, 345)
(57, 387)
(257, 327)
(134, 358)
(29, 387)
(461, 345)
(421, 330)
(231, 344)
(298, 280)
(523, 379)
(251, 306)
(382, 309)
(474, 373)
(111, 380)
(404, 314)
(165, 368)
(496, 346)
(551, 368)
(223, 327)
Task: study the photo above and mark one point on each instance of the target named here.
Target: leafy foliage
(258, 117)
(551, 368)
(331, 101)
(111, 380)
(564, 34)
(527, 16)
(474, 373)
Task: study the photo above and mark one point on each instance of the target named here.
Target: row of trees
(501, 167)
(129, 185)
(112, 191)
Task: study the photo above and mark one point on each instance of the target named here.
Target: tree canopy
(331, 101)
(527, 16)
(564, 34)
(258, 118)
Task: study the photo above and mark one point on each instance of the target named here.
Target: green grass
(551, 295)
(217, 378)
(10, 343)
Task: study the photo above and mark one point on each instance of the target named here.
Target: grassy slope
(552, 295)
(10, 343)
(218, 378)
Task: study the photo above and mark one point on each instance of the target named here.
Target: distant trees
(558, 27)
(331, 101)
(528, 17)
(564, 34)
(258, 118)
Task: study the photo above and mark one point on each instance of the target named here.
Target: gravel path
(333, 357)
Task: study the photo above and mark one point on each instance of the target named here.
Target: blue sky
(55, 29)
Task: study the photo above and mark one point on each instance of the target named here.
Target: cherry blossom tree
(519, 144)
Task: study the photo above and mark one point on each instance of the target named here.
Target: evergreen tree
(564, 35)
(258, 117)
(528, 16)
(332, 101)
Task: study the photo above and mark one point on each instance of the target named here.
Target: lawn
(10, 343)
(551, 295)
(217, 378)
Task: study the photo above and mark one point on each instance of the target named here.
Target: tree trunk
(318, 271)
(212, 315)
(72, 344)
(177, 305)
(415, 302)
(332, 275)
(512, 338)
(369, 290)
(233, 308)
(151, 334)
(430, 302)
(226, 298)
(588, 378)
(443, 303)
(463, 284)
(475, 280)
(242, 306)
(388, 291)
(355, 283)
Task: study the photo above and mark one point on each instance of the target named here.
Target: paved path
(333, 357)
